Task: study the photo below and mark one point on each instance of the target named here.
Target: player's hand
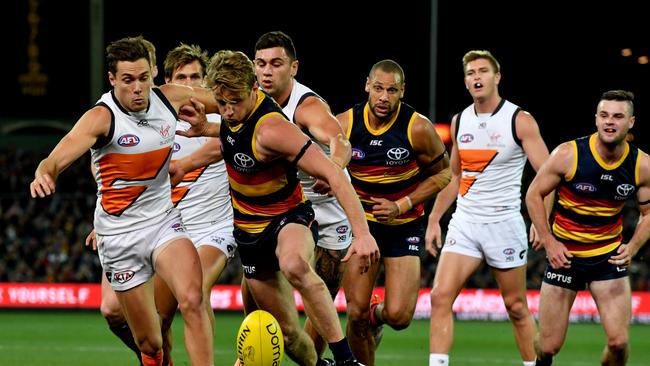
(322, 187)
(384, 210)
(42, 185)
(366, 249)
(557, 254)
(433, 238)
(534, 238)
(176, 173)
(623, 256)
(194, 114)
(91, 239)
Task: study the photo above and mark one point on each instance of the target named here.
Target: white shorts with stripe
(127, 259)
(503, 244)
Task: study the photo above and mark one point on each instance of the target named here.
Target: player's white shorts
(334, 230)
(220, 238)
(127, 259)
(503, 244)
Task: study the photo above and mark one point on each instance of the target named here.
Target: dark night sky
(556, 61)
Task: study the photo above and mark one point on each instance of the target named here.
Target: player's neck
(610, 153)
(488, 104)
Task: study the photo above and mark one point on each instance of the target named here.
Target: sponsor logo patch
(122, 277)
(128, 140)
(358, 154)
(585, 187)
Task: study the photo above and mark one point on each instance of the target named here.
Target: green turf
(82, 339)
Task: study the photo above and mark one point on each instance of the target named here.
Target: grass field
(37, 338)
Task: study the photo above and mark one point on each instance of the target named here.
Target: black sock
(545, 362)
(123, 332)
(341, 350)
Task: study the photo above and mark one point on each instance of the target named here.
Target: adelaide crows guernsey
(133, 165)
(384, 164)
(588, 215)
(259, 190)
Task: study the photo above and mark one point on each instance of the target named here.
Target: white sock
(439, 359)
(529, 363)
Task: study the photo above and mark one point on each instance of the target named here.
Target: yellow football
(259, 340)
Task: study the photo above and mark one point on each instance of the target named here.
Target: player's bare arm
(194, 114)
(277, 138)
(444, 199)
(641, 235)
(94, 123)
(549, 176)
(208, 153)
(315, 115)
(527, 131)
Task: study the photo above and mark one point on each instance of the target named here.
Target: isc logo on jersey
(259, 340)
(128, 140)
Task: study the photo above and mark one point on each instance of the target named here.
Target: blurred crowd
(44, 240)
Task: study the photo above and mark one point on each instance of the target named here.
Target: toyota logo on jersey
(243, 160)
(397, 153)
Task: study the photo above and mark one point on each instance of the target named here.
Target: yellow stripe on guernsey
(584, 237)
(371, 177)
(589, 210)
(259, 189)
(383, 128)
(574, 163)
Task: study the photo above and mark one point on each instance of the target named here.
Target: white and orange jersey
(492, 162)
(203, 195)
(299, 93)
(132, 165)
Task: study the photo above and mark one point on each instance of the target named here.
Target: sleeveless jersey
(203, 195)
(587, 215)
(299, 93)
(133, 165)
(492, 162)
(259, 190)
(383, 163)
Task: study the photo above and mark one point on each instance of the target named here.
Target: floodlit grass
(53, 338)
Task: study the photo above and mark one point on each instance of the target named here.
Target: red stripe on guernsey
(576, 200)
(576, 247)
(255, 179)
(380, 170)
(270, 209)
(571, 225)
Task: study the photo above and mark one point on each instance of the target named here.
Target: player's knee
(397, 320)
(617, 345)
(295, 270)
(549, 349)
(517, 308)
(149, 344)
(192, 301)
(441, 299)
(112, 312)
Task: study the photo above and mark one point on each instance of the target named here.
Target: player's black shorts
(399, 240)
(583, 271)
(257, 251)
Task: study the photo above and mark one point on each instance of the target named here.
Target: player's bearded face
(132, 84)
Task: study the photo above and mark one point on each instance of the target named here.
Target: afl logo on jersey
(128, 140)
(358, 154)
(585, 187)
(466, 138)
(177, 147)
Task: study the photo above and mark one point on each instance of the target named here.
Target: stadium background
(556, 60)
